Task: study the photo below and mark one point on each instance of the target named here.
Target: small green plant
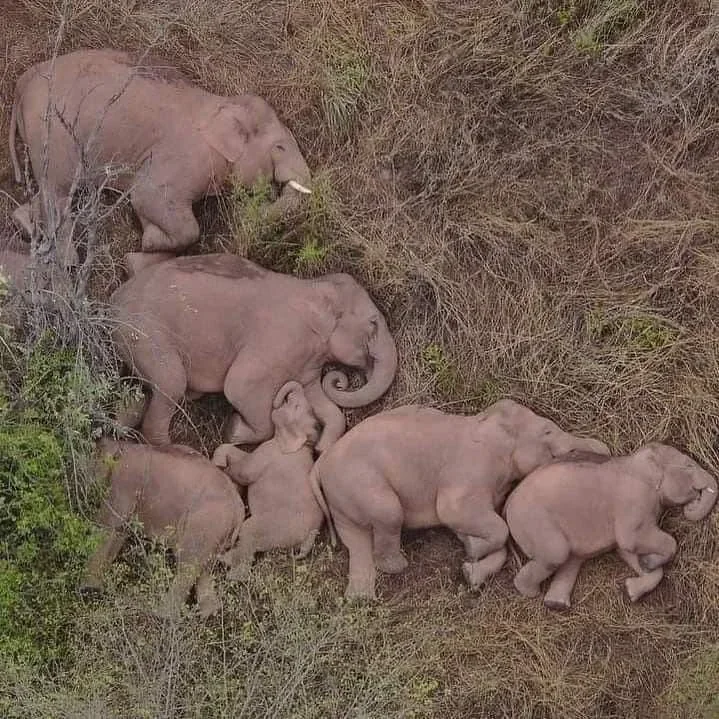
(445, 374)
(639, 333)
(247, 215)
(590, 31)
(345, 79)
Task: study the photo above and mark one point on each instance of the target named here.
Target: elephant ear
(227, 133)
(320, 312)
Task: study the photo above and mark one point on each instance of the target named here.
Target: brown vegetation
(530, 190)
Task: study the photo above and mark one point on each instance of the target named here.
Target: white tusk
(710, 490)
(300, 188)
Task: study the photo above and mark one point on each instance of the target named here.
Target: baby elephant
(284, 512)
(417, 467)
(571, 510)
(179, 495)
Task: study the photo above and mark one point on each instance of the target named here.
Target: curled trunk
(383, 354)
(699, 508)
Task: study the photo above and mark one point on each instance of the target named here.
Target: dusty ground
(530, 190)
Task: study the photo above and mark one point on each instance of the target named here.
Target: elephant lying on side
(220, 323)
(139, 126)
(569, 511)
(284, 512)
(418, 467)
(179, 495)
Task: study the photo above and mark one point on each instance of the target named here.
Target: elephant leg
(207, 600)
(477, 573)
(251, 423)
(22, 217)
(153, 236)
(241, 556)
(559, 594)
(362, 571)
(482, 530)
(306, 546)
(178, 228)
(100, 560)
(328, 413)
(387, 533)
(637, 587)
(653, 546)
(530, 577)
(186, 577)
(166, 395)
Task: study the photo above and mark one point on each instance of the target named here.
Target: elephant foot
(208, 606)
(557, 604)
(525, 589)
(391, 564)
(650, 562)
(474, 575)
(130, 413)
(359, 591)
(240, 572)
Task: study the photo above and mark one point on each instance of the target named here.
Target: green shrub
(43, 545)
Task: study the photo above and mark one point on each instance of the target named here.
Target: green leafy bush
(43, 545)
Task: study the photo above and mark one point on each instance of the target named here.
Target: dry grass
(530, 190)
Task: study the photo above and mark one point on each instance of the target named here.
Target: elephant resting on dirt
(417, 467)
(176, 494)
(109, 119)
(284, 511)
(569, 511)
(220, 323)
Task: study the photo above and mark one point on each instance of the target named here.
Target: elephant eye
(281, 148)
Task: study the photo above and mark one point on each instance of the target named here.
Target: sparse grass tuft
(345, 78)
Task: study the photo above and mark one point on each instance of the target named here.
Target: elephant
(137, 125)
(567, 512)
(178, 495)
(220, 323)
(419, 467)
(283, 509)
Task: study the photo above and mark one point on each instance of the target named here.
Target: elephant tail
(316, 485)
(11, 142)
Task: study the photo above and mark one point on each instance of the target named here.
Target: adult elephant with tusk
(220, 323)
(137, 125)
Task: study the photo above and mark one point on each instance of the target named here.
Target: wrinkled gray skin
(569, 511)
(169, 143)
(284, 511)
(220, 323)
(417, 467)
(177, 495)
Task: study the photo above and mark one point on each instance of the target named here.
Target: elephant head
(246, 131)
(295, 424)
(680, 480)
(360, 339)
(537, 440)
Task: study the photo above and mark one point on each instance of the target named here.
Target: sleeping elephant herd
(270, 343)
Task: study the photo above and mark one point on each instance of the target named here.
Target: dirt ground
(530, 191)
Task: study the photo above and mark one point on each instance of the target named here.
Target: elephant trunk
(698, 508)
(291, 171)
(383, 358)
